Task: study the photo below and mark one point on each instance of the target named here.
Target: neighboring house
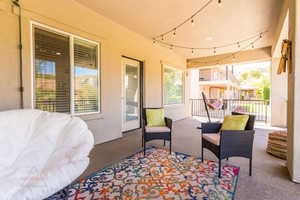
(247, 92)
(220, 83)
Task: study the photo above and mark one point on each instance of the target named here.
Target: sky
(48, 67)
(241, 68)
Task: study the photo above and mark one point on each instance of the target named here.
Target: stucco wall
(115, 40)
(278, 96)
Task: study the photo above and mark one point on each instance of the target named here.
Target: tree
(258, 78)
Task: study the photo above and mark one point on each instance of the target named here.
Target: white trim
(62, 32)
(163, 86)
(137, 64)
(72, 64)
(32, 70)
(34, 24)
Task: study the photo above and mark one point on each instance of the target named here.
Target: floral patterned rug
(159, 175)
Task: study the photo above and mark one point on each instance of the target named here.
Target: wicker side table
(277, 144)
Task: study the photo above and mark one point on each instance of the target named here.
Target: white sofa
(40, 153)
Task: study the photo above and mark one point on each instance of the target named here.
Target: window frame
(71, 37)
(163, 85)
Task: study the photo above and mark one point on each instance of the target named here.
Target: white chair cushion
(157, 129)
(212, 138)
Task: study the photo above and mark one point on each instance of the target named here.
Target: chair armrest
(143, 124)
(212, 127)
(169, 122)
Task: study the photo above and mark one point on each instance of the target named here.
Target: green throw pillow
(155, 117)
(235, 122)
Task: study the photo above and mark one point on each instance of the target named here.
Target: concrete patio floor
(270, 179)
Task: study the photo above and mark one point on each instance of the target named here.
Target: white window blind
(53, 66)
(85, 77)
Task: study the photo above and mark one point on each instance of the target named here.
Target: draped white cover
(40, 153)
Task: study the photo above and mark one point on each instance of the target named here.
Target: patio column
(294, 93)
(278, 96)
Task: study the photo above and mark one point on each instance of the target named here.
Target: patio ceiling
(232, 21)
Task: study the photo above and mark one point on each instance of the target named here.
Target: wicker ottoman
(277, 144)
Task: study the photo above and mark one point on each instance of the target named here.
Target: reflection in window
(52, 72)
(85, 77)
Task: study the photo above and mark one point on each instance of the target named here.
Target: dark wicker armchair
(229, 143)
(156, 133)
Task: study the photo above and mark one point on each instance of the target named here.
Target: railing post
(266, 110)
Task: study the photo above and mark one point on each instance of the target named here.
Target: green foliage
(266, 93)
(259, 79)
(173, 87)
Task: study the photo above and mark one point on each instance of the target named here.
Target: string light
(174, 33)
(161, 39)
(154, 41)
(190, 19)
(193, 52)
(233, 55)
(192, 22)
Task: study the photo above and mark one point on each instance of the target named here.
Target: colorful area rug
(159, 175)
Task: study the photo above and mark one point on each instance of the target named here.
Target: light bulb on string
(215, 50)
(238, 45)
(219, 2)
(171, 47)
(154, 42)
(193, 51)
(174, 33)
(260, 35)
(252, 45)
(162, 37)
(192, 22)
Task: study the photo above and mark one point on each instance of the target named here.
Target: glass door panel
(131, 94)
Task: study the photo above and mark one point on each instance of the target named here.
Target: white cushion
(41, 152)
(157, 129)
(212, 138)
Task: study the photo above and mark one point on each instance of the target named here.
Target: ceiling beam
(259, 54)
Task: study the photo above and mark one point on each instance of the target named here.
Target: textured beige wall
(293, 93)
(115, 40)
(278, 96)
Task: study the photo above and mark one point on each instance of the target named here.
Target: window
(173, 86)
(66, 73)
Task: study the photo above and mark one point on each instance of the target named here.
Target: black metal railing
(259, 108)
